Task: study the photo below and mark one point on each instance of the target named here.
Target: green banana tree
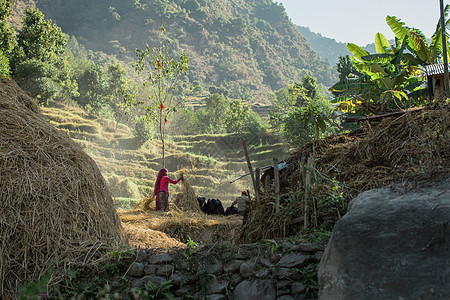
(393, 77)
(386, 75)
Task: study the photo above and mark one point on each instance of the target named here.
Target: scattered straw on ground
(183, 225)
(55, 209)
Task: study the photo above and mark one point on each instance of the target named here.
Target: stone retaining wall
(257, 271)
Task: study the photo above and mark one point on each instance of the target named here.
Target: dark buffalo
(211, 206)
(201, 203)
(231, 211)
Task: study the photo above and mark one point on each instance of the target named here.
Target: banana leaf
(419, 93)
(357, 51)
(381, 43)
(379, 57)
(375, 71)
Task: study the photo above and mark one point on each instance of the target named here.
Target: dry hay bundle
(148, 203)
(55, 207)
(415, 145)
(187, 199)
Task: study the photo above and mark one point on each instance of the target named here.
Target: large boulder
(392, 244)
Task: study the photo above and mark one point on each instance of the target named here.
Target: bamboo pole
(276, 184)
(244, 145)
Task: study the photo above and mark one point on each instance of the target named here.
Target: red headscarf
(161, 173)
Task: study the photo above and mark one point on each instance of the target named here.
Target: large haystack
(398, 149)
(55, 209)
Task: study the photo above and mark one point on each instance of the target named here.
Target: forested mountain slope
(326, 47)
(247, 47)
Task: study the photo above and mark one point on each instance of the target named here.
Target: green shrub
(142, 131)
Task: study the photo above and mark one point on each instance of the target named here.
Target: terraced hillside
(210, 161)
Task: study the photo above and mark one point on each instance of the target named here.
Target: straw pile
(178, 225)
(55, 209)
(187, 199)
(406, 148)
(147, 203)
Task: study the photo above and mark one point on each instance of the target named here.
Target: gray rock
(216, 286)
(165, 270)
(153, 280)
(255, 289)
(235, 279)
(318, 255)
(391, 244)
(233, 266)
(216, 297)
(141, 256)
(285, 273)
(311, 247)
(178, 279)
(116, 283)
(248, 268)
(283, 283)
(283, 292)
(183, 291)
(298, 288)
(295, 260)
(136, 269)
(286, 297)
(262, 273)
(150, 269)
(266, 263)
(216, 266)
(161, 258)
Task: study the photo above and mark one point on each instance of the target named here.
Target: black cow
(201, 203)
(211, 206)
(231, 211)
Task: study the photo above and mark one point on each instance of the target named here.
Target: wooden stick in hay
(187, 199)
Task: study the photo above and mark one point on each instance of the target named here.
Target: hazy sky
(357, 21)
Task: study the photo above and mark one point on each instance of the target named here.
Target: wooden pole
(307, 190)
(250, 169)
(267, 184)
(444, 50)
(301, 175)
(258, 179)
(276, 184)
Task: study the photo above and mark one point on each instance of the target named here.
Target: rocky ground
(267, 270)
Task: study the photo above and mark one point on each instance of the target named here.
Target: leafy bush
(4, 65)
(142, 131)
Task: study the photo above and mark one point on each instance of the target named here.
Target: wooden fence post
(267, 184)
(307, 190)
(302, 173)
(250, 169)
(258, 179)
(276, 183)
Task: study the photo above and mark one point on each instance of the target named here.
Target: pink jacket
(164, 184)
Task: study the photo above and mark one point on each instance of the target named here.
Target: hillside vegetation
(211, 161)
(249, 48)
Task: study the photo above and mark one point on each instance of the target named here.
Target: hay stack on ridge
(187, 199)
(55, 207)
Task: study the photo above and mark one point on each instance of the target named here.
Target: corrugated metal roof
(435, 69)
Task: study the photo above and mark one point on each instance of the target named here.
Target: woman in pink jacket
(161, 190)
